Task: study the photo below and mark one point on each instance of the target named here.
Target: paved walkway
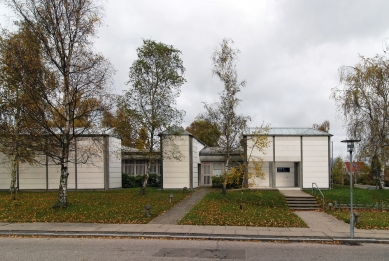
(294, 193)
(176, 213)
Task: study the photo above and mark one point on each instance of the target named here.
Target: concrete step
(304, 208)
(301, 202)
(308, 197)
(300, 199)
(306, 203)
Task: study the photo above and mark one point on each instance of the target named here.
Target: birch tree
(19, 63)
(155, 82)
(74, 85)
(362, 100)
(223, 114)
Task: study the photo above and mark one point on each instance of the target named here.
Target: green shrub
(154, 180)
(365, 179)
(136, 181)
(132, 181)
(217, 182)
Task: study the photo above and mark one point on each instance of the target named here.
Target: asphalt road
(148, 249)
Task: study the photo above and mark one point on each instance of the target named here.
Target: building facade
(95, 163)
(295, 158)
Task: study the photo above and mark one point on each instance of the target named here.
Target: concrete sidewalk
(323, 228)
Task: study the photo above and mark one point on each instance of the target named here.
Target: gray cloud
(290, 50)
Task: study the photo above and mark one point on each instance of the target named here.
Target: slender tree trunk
(14, 169)
(224, 189)
(144, 184)
(62, 200)
(382, 177)
(15, 159)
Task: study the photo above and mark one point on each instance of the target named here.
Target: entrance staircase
(299, 200)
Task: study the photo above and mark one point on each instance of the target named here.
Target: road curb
(151, 235)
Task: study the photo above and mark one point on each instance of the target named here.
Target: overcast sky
(290, 50)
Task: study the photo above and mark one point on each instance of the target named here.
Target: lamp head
(350, 144)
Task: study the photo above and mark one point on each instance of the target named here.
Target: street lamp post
(350, 148)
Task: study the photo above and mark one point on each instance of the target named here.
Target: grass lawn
(114, 206)
(260, 208)
(369, 219)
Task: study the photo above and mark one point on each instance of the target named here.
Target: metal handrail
(319, 191)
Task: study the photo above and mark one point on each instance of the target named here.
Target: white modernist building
(295, 158)
(102, 169)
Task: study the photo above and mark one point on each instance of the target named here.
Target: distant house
(357, 167)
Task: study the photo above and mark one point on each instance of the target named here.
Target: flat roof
(288, 132)
(218, 151)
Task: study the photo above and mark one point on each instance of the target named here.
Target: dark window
(282, 169)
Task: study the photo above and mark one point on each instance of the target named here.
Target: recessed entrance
(285, 174)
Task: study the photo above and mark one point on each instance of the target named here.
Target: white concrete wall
(258, 182)
(115, 163)
(175, 172)
(285, 179)
(5, 172)
(266, 154)
(196, 147)
(287, 149)
(89, 176)
(315, 161)
(55, 173)
(255, 154)
(33, 176)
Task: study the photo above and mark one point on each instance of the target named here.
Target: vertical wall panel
(197, 146)
(257, 182)
(175, 172)
(315, 158)
(115, 162)
(287, 149)
(33, 176)
(5, 172)
(266, 154)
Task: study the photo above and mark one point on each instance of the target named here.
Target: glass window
(207, 180)
(234, 164)
(207, 169)
(217, 166)
(131, 170)
(216, 169)
(217, 172)
(140, 169)
(153, 168)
